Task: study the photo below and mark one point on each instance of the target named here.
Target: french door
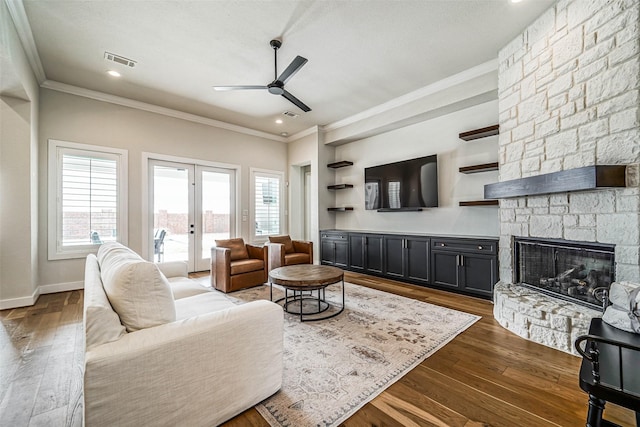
(192, 205)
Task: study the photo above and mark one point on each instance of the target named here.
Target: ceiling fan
(276, 87)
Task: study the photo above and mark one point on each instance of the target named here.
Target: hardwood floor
(486, 376)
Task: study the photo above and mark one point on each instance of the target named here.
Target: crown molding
(139, 105)
(454, 80)
(303, 133)
(23, 28)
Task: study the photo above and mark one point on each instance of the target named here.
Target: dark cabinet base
(458, 264)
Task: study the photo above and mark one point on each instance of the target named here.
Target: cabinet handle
(462, 260)
(443, 245)
(457, 259)
(480, 247)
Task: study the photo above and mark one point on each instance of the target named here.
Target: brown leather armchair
(236, 265)
(284, 251)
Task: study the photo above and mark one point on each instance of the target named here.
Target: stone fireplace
(568, 90)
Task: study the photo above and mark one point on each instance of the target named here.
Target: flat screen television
(406, 185)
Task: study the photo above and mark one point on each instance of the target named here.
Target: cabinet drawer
(464, 245)
(333, 235)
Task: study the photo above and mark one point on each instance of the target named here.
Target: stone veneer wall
(568, 97)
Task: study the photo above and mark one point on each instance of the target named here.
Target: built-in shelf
(340, 209)
(480, 203)
(480, 133)
(579, 179)
(340, 164)
(486, 167)
(339, 186)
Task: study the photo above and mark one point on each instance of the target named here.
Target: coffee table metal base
(295, 304)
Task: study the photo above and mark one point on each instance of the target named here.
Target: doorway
(192, 206)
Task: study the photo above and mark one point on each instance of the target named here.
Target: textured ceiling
(361, 53)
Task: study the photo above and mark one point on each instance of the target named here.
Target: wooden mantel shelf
(580, 179)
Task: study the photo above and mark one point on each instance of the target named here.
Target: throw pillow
(237, 246)
(137, 290)
(285, 240)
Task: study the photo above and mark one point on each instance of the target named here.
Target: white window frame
(254, 172)
(56, 251)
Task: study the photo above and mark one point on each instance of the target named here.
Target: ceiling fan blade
(296, 101)
(293, 68)
(220, 88)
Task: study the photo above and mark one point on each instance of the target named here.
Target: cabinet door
(373, 253)
(327, 253)
(444, 268)
(394, 256)
(417, 255)
(341, 254)
(479, 273)
(356, 251)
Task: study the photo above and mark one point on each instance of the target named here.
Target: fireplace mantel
(579, 179)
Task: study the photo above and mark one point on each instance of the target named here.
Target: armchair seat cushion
(246, 266)
(296, 258)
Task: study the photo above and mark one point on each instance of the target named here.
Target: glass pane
(216, 209)
(170, 213)
(89, 200)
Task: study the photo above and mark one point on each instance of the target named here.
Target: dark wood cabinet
(334, 249)
(466, 265)
(407, 257)
(356, 252)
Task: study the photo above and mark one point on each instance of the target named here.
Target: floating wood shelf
(339, 186)
(586, 178)
(480, 203)
(340, 164)
(340, 209)
(479, 168)
(480, 133)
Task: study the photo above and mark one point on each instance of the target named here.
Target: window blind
(267, 205)
(89, 200)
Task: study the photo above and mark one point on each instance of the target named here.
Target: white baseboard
(6, 304)
(61, 287)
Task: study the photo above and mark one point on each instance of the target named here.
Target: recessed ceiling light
(284, 134)
(279, 121)
(516, 1)
(113, 73)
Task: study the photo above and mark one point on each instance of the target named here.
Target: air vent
(290, 114)
(119, 59)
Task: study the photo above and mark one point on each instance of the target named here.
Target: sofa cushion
(136, 289)
(183, 287)
(246, 265)
(101, 323)
(296, 258)
(237, 246)
(285, 240)
(196, 305)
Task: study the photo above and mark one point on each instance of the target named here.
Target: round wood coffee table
(303, 280)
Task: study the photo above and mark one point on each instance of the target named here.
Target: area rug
(334, 367)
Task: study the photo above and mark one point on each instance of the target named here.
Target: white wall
(18, 167)
(72, 118)
(436, 136)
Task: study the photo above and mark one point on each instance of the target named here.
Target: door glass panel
(216, 209)
(171, 213)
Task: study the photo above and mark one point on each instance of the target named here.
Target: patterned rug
(334, 367)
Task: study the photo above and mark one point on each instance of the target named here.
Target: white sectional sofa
(163, 350)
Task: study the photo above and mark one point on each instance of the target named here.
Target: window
(268, 203)
(87, 198)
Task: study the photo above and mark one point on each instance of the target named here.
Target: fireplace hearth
(580, 272)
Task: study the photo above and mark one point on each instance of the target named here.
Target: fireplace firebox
(576, 271)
